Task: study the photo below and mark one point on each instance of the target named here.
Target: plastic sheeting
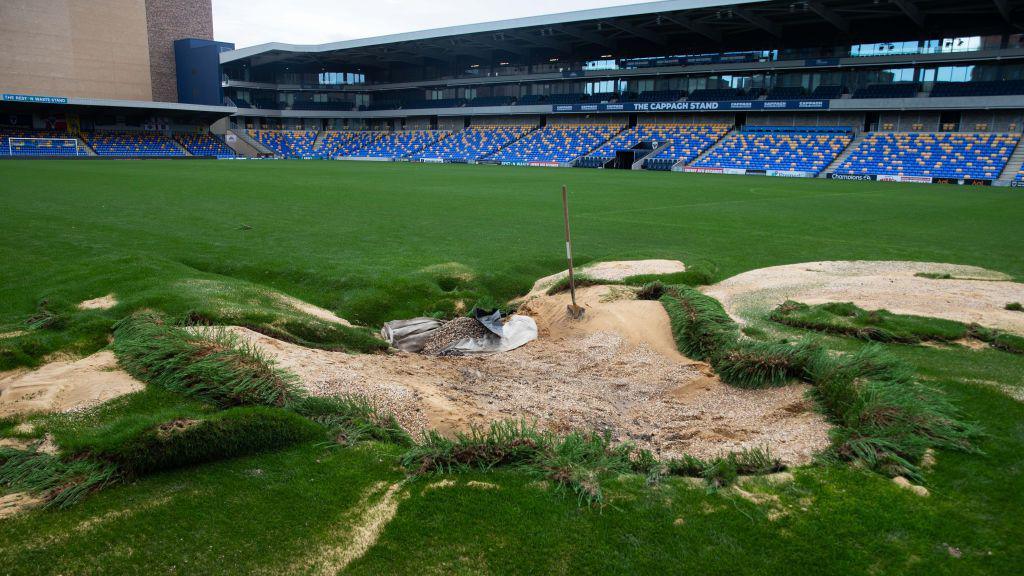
(412, 335)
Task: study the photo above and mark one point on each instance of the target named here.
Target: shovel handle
(568, 243)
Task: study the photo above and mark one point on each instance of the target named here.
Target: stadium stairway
(639, 164)
(702, 155)
(246, 145)
(1015, 164)
(854, 144)
(181, 147)
(83, 146)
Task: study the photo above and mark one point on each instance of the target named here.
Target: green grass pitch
(375, 241)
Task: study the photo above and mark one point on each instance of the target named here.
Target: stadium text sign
(34, 99)
(727, 105)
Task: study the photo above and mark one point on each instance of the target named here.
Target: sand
(876, 285)
(612, 271)
(102, 303)
(65, 386)
(617, 370)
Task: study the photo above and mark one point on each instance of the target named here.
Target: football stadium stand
(897, 90)
(53, 144)
(928, 154)
(287, 143)
(556, 143)
(343, 144)
(828, 92)
(473, 143)
(205, 144)
(687, 141)
(676, 142)
(796, 149)
(132, 144)
(400, 144)
(962, 89)
(713, 94)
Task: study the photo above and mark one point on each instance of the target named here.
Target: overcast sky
(251, 22)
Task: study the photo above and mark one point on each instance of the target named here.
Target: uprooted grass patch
(848, 319)
(884, 418)
(1015, 307)
(578, 461)
(211, 364)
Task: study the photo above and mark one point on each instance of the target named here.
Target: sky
(252, 22)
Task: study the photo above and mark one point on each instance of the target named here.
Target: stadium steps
(246, 145)
(1015, 163)
(510, 143)
(711, 148)
(179, 145)
(83, 146)
(598, 147)
(854, 144)
(639, 164)
(318, 142)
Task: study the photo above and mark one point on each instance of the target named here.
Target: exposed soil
(102, 303)
(65, 386)
(891, 286)
(618, 369)
(16, 503)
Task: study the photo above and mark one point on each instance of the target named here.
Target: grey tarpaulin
(409, 335)
(491, 319)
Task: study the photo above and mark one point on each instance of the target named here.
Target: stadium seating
(786, 93)
(132, 144)
(828, 92)
(930, 154)
(655, 96)
(473, 143)
(713, 94)
(401, 144)
(61, 147)
(287, 143)
(796, 149)
(687, 141)
(568, 98)
(345, 143)
(557, 143)
(531, 100)
(491, 101)
(205, 144)
(949, 89)
(897, 90)
(441, 103)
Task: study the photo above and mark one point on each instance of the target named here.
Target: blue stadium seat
(931, 154)
(60, 144)
(132, 144)
(778, 148)
(401, 144)
(491, 101)
(205, 144)
(345, 143)
(557, 143)
(531, 100)
(685, 142)
(287, 143)
(473, 143)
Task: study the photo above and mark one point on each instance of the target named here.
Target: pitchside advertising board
(915, 179)
(749, 172)
(723, 106)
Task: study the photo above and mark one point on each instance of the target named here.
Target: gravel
(453, 332)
